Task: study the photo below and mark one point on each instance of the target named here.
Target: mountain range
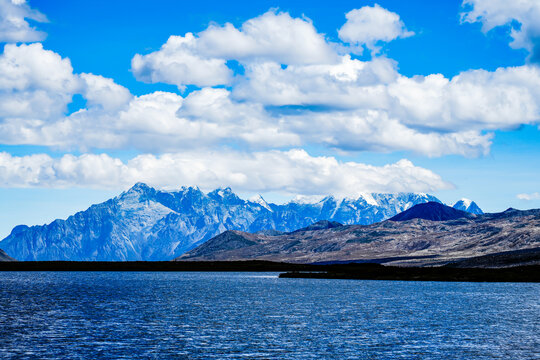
(426, 234)
(144, 223)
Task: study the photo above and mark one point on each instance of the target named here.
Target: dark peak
(321, 225)
(433, 211)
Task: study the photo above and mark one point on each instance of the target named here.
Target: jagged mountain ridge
(414, 241)
(148, 224)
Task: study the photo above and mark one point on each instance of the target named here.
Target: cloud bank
(289, 172)
(350, 105)
(270, 85)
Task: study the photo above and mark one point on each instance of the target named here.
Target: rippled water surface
(258, 316)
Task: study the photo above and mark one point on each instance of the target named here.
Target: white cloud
(351, 105)
(272, 36)
(103, 92)
(350, 83)
(348, 105)
(296, 91)
(217, 116)
(13, 24)
(179, 62)
(160, 121)
(289, 172)
(376, 130)
(371, 24)
(201, 59)
(494, 13)
(529, 197)
(472, 100)
(34, 83)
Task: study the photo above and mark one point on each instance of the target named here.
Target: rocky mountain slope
(5, 257)
(148, 224)
(413, 241)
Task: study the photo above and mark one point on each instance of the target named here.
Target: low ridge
(5, 257)
(321, 225)
(452, 237)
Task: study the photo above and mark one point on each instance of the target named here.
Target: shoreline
(359, 271)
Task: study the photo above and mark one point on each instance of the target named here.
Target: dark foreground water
(258, 316)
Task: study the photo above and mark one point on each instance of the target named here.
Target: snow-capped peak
(258, 199)
(469, 206)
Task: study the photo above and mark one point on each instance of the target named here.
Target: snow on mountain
(258, 199)
(307, 199)
(148, 224)
(468, 206)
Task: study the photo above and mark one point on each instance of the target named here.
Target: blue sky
(263, 113)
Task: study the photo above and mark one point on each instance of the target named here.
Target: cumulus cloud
(349, 105)
(201, 59)
(296, 89)
(13, 24)
(338, 101)
(375, 130)
(289, 172)
(272, 36)
(529, 197)
(179, 62)
(34, 83)
(350, 83)
(372, 24)
(494, 13)
(156, 122)
(472, 100)
(103, 92)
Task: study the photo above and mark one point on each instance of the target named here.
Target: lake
(189, 315)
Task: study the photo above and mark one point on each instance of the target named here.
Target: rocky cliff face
(148, 224)
(414, 241)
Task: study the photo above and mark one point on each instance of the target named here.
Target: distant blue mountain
(148, 224)
(431, 211)
(468, 206)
